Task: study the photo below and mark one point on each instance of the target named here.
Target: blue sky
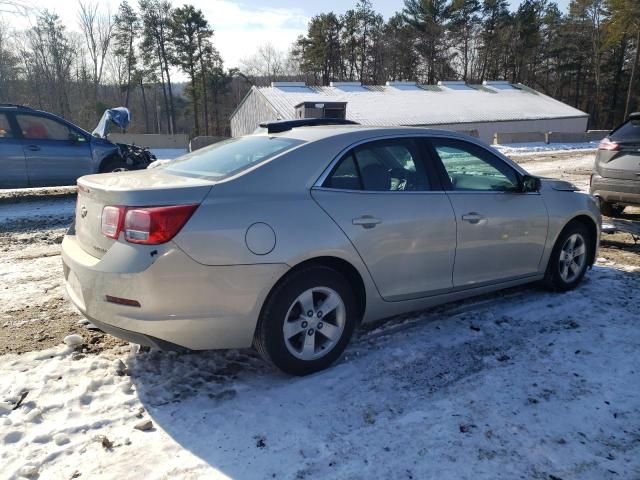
(241, 26)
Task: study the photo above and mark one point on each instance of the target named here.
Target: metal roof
(406, 103)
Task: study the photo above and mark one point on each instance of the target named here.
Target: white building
(483, 110)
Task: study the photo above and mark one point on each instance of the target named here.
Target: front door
(13, 166)
(501, 230)
(56, 154)
(403, 227)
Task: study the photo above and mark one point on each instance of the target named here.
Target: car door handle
(473, 217)
(33, 148)
(366, 221)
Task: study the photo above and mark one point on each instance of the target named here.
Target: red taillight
(606, 144)
(155, 225)
(112, 221)
(145, 225)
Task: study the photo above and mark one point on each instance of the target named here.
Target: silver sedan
(287, 241)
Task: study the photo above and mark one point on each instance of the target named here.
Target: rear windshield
(630, 130)
(230, 157)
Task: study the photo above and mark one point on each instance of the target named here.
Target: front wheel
(307, 321)
(570, 258)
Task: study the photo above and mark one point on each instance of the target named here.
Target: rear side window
(40, 128)
(229, 157)
(379, 166)
(630, 130)
(5, 128)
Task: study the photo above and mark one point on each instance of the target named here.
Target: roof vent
(288, 84)
(402, 84)
(345, 84)
(335, 110)
(454, 84)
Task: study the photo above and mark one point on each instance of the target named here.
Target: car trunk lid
(143, 188)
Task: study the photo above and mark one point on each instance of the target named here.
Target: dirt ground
(35, 314)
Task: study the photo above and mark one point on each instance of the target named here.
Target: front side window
(379, 166)
(34, 127)
(471, 168)
(5, 128)
(229, 157)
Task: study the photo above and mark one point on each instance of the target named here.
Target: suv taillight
(145, 225)
(606, 144)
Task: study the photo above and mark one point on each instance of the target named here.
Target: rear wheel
(307, 321)
(609, 209)
(570, 258)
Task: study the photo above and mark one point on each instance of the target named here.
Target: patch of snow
(541, 147)
(520, 384)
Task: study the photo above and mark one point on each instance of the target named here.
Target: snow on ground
(522, 384)
(541, 147)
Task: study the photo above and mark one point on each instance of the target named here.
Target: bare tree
(97, 29)
(267, 62)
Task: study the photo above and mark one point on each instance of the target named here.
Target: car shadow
(246, 420)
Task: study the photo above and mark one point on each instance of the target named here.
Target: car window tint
(232, 156)
(5, 128)
(630, 130)
(471, 168)
(41, 128)
(345, 176)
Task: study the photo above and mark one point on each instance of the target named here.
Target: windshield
(630, 130)
(229, 157)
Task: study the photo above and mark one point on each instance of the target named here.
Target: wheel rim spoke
(309, 347)
(306, 302)
(291, 329)
(574, 267)
(579, 251)
(330, 304)
(330, 331)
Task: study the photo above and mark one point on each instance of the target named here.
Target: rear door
(501, 231)
(13, 166)
(394, 213)
(56, 153)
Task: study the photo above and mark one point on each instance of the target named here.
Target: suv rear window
(630, 130)
(229, 157)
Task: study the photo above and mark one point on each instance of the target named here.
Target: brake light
(155, 225)
(112, 221)
(145, 225)
(606, 144)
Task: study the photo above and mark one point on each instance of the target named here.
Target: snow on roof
(407, 103)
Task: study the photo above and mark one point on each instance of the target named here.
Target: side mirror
(530, 184)
(73, 137)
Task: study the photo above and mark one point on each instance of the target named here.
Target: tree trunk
(144, 106)
(634, 68)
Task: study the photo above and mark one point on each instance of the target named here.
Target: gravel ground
(33, 222)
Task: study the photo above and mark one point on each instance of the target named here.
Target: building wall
(253, 110)
(486, 130)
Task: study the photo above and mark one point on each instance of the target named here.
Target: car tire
(114, 165)
(609, 209)
(294, 334)
(570, 258)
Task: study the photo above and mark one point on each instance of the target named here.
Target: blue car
(39, 149)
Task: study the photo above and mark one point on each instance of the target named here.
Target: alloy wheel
(314, 323)
(573, 257)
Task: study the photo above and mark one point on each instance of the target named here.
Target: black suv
(616, 179)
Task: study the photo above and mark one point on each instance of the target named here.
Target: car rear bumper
(616, 190)
(183, 304)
